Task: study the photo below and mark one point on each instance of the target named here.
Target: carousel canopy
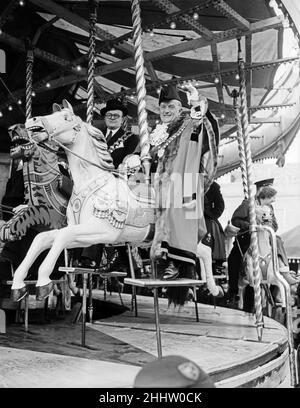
(291, 240)
(191, 40)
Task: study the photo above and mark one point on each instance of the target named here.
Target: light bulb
(195, 16)
(151, 33)
(237, 77)
(173, 25)
(33, 93)
(78, 67)
(1, 114)
(19, 102)
(48, 85)
(10, 108)
(112, 50)
(21, 3)
(216, 81)
(223, 116)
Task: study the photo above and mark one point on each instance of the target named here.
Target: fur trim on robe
(179, 190)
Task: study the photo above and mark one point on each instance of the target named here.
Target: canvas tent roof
(291, 241)
(205, 49)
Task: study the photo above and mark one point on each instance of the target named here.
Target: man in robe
(184, 148)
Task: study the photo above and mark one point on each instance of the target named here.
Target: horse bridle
(52, 132)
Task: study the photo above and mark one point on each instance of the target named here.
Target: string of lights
(16, 97)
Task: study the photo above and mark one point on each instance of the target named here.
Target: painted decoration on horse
(44, 204)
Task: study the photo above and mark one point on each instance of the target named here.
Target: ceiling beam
(248, 74)
(230, 120)
(41, 54)
(231, 14)
(260, 26)
(78, 21)
(216, 69)
(170, 8)
(7, 12)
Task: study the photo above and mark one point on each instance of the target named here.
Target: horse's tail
(178, 294)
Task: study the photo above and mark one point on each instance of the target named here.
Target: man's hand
(130, 164)
(192, 94)
(19, 208)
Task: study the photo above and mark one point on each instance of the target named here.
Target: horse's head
(23, 147)
(61, 126)
(263, 214)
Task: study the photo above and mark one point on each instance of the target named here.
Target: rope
(29, 73)
(91, 62)
(141, 87)
(252, 215)
(241, 147)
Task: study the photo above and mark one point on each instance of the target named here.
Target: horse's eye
(67, 118)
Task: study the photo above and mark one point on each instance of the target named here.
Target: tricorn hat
(114, 104)
(264, 183)
(167, 93)
(172, 372)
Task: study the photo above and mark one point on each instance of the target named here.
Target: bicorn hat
(172, 372)
(264, 183)
(167, 93)
(114, 104)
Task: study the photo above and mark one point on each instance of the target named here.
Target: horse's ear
(67, 104)
(56, 107)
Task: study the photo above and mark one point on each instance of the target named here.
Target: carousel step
(216, 277)
(113, 274)
(77, 270)
(158, 283)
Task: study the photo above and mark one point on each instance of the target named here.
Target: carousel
(67, 324)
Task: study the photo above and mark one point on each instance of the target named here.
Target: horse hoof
(18, 294)
(220, 294)
(42, 292)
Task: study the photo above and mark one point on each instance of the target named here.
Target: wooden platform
(224, 343)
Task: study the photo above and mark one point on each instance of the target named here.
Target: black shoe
(42, 292)
(171, 272)
(18, 294)
(233, 302)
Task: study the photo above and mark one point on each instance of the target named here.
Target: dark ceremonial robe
(213, 209)
(177, 183)
(121, 144)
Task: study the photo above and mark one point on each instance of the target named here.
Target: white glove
(192, 93)
(132, 161)
(19, 208)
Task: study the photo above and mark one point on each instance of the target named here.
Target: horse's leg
(74, 236)
(241, 297)
(204, 253)
(40, 243)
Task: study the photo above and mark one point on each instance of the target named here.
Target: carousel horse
(45, 206)
(266, 265)
(104, 207)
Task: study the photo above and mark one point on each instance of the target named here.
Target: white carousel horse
(267, 266)
(102, 208)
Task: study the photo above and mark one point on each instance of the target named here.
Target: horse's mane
(99, 141)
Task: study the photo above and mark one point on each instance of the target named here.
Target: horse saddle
(143, 214)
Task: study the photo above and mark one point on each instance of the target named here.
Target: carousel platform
(224, 343)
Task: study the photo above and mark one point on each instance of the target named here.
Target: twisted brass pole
(91, 61)
(140, 87)
(252, 215)
(29, 74)
(90, 110)
(241, 147)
